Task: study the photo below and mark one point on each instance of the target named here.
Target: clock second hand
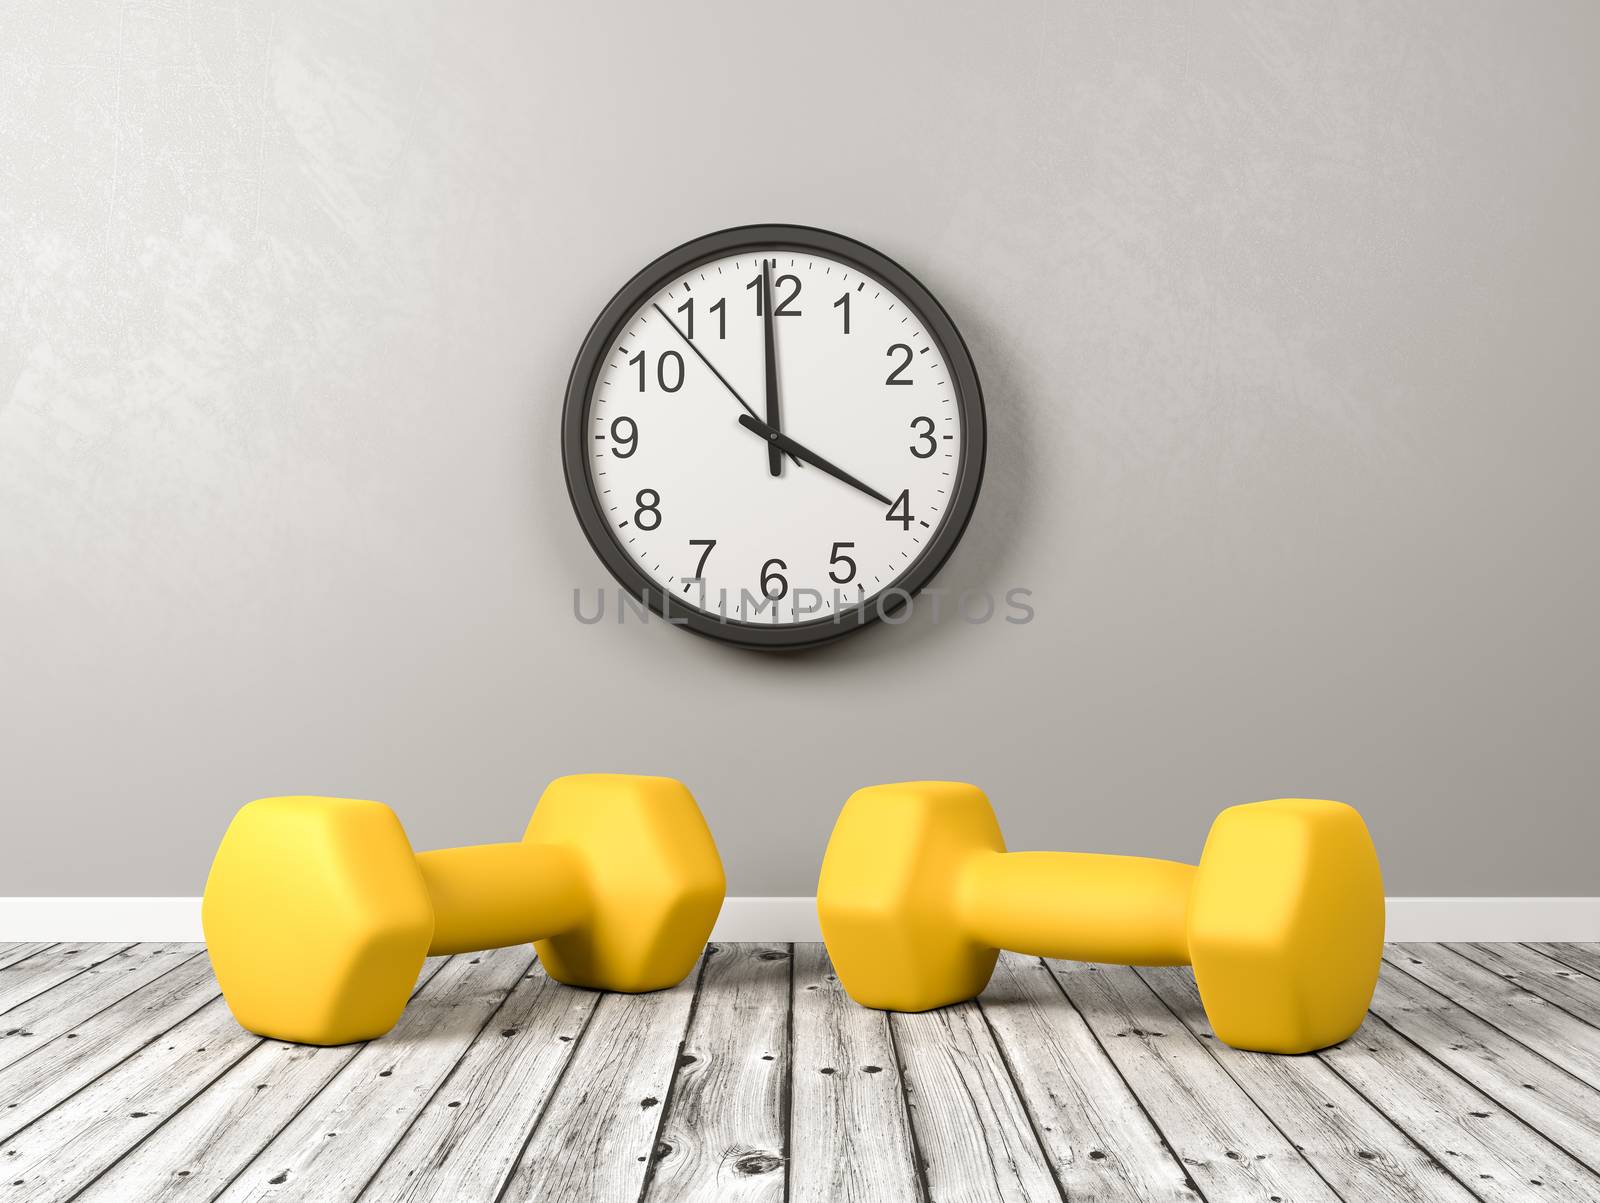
(688, 342)
(800, 451)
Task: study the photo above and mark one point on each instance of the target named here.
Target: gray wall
(1285, 314)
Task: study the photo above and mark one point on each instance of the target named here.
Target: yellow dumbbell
(1282, 919)
(318, 915)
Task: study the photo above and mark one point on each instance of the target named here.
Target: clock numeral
(649, 503)
(662, 371)
(720, 309)
(902, 504)
(781, 309)
(700, 568)
(624, 431)
(895, 376)
(923, 436)
(836, 558)
(769, 576)
(844, 302)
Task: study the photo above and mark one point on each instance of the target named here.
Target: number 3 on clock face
(773, 435)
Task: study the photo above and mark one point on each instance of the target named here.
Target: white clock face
(689, 492)
(773, 435)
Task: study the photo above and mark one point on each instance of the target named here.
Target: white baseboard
(785, 919)
(1476, 919)
(160, 920)
(1491, 920)
(178, 919)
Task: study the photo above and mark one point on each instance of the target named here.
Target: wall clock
(773, 435)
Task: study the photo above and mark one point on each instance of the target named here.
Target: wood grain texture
(55, 1071)
(11, 954)
(725, 1133)
(973, 1135)
(1098, 1138)
(1585, 958)
(129, 1080)
(1560, 1107)
(598, 1133)
(340, 1140)
(1232, 1150)
(46, 968)
(1356, 1149)
(59, 1153)
(30, 1025)
(469, 1135)
(1498, 1157)
(1559, 1036)
(1556, 982)
(850, 1135)
(197, 1152)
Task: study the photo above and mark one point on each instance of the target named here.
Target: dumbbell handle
(1082, 906)
(496, 895)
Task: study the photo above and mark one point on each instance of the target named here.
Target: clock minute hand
(688, 342)
(802, 452)
(774, 456)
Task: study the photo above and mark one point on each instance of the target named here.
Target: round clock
(773, 435)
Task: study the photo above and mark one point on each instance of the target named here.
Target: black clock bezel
(591, 358)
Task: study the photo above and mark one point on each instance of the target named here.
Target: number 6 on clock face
(773, 435)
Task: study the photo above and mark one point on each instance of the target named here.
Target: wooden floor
(123, 1077)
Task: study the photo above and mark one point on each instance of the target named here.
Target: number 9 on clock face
(773, 435)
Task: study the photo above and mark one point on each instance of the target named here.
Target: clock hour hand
(688, 342)
(800, 451)
(774, 456)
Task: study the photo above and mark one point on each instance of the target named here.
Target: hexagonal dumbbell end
(1286, 924)
(316, 919)
(654, 880)
(886, 896)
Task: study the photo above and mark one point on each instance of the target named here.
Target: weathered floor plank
(1356, 1149)
(849, 1137)
(1500, 1158)
(1100, 1142)
(30, 1026)
(1232, 1150)
(1585, 958)
(340, 1140)
(62, 1151)
(1544, 1027)
(49, 966)
(724, 1135)
(973, 1133)
(598, 1133)
(1554, 981)
(467, 1138)
(198, 1151)
(1559, 1106)
(55, 1071)
(10, 954)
